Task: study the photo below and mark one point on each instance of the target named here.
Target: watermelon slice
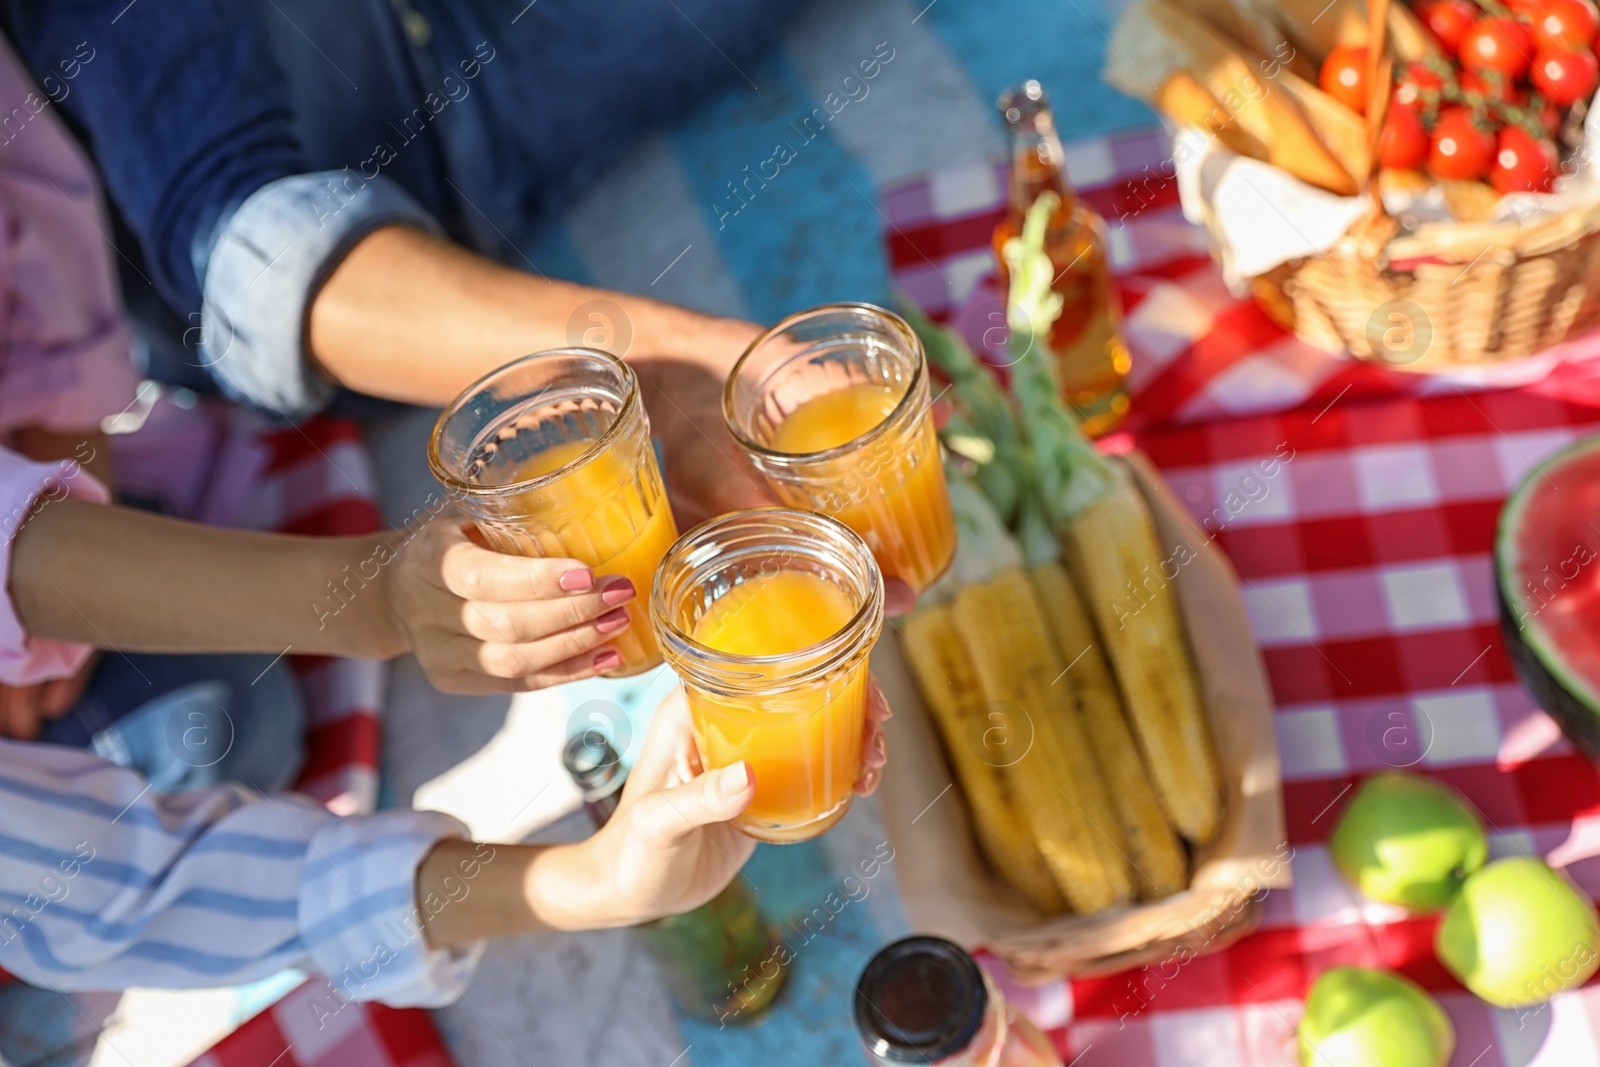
(1547, 569)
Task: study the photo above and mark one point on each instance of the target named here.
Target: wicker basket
(1447, 295)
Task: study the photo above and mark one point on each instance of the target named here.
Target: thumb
(714, 797)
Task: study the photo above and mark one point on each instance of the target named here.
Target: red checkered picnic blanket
(299, 1031)
(1365, 568)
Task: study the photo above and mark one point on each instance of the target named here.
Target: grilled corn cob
(1055, 779)
(1153, 850)
(1112, 550)
(1115, 556)
(943, 670)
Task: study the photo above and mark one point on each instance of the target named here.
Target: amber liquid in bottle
(1091, 357)
(719, 962)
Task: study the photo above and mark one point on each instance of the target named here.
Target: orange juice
(620, 525)
(550, 455)
(803, 746)
(891, 492)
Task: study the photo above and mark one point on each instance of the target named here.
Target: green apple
(1408, 840)
(1357, 1017)
(1519, 933)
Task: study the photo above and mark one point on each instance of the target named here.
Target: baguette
(1187, 101)
(1250, 23)
(1154, 40)
(1317, 27)
(1342, 130)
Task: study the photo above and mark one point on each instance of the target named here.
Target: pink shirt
(64, 345)
(64, 350)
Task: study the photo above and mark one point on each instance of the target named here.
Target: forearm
(519, 889)
(411, 317)
(117, 578)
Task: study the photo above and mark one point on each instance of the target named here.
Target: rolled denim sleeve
(268, 263)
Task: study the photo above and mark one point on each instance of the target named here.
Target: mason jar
(832, 406)
(550, 456)
(768, 616)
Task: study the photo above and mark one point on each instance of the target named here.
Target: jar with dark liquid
(1092, 359)
(720, 961)
(925, 1000)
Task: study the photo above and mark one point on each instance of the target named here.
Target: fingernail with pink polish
(612, 621)
(619, 591)
(607, 660)
(577, 580)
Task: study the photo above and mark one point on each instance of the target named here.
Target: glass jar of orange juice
(768, 616)
(832, 406)
(550, 455)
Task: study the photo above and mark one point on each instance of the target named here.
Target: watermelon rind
(1568, 699)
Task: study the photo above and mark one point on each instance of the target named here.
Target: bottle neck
(1038, 165)
(598, 772)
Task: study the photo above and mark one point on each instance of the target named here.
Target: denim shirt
(247, 144)
(204, 119)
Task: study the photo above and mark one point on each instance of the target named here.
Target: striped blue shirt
(105, 885)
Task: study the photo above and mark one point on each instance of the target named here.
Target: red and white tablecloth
(1365, 568)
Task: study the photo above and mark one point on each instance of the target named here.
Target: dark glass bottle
(925, 1000)
(1091, 357)
(720, 962)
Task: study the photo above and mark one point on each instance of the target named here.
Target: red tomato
(1565, 77)
(1344, 76)
(1492, 85)
(1527, 10)
(1448, 20)
(1569, 24)
(1497, 43)
(1404, 140)
(1522, 163)
(1462, 147)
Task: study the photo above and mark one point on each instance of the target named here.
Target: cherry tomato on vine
(1497, 42)
(1462, 147)
(1565, 77)
(1344, 76)
(1414, 82)
(1494, 86)
(1569, 24)
(1523, 163)
(1403, 141)
(1448, 20)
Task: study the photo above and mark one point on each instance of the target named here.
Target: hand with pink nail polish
(874, 742)
(481, 621)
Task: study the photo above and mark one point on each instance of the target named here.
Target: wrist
(367, 564)
(569, 887)
(708, 341)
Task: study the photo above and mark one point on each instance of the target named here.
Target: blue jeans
(185, 722)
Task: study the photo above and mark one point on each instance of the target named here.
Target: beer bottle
(1086, 341)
